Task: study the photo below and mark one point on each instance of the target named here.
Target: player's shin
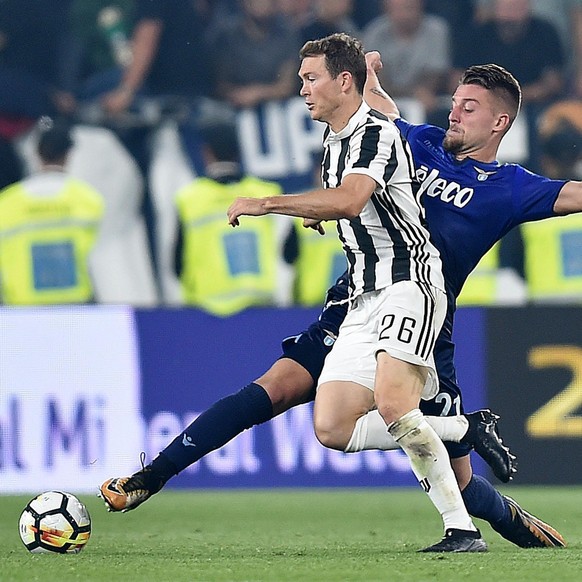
(430, 463)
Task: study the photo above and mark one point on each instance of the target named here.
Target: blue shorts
(309, 349)
(449, 400)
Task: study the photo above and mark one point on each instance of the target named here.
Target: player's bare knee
(331, 434)
(391, 410)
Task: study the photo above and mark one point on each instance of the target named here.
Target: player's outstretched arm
(374, 95)
(569, 199)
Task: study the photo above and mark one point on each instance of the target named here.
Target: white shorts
(402, 320)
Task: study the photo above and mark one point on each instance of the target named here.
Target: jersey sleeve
(408, 130)
(370, 150)
(535, 195)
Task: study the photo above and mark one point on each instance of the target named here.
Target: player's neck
(485, 155)
(344, 114)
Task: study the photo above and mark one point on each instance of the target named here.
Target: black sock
(482, 500)
(216, 426)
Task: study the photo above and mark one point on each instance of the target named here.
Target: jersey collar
(355, 120)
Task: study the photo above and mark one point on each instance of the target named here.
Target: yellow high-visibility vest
(553, 257)
(45, 244)
(321, 260)
(226, 270)
(480, 288)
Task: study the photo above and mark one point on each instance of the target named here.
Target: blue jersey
(470, 205)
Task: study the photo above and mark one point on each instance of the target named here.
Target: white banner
(69, 397)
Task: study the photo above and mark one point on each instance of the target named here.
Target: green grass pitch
(308, 535)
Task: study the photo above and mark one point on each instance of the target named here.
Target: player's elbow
(351, 209)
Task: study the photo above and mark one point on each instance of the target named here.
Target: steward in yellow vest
(48, 226)
(480, 288)
(223, 270)
(553, 258)
(318, 260)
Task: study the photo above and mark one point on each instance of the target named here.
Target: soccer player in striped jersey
(383, 355)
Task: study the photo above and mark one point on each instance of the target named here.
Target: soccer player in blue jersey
(291, 380)
(471, 201)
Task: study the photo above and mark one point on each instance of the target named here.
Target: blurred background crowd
(124, 135)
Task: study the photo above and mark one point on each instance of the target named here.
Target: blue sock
(482, 500)
(216, 426)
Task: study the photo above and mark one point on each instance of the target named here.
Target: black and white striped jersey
(387, 242)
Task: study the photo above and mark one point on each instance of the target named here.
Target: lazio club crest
(482, 175)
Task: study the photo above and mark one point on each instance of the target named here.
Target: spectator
(552, 258)
(170, 55)
(330, 16)
(169, 76)
(364, 11)
(34, 39)
(560, 129)
(415, 48)
(48, 227)
(256, 56)
(527, 46)
(101, 30)
(460, 17)
(297, 13)
(566, 17)
(223, 271)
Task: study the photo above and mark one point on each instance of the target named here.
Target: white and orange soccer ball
(55, 521)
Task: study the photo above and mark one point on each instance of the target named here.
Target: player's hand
(246, 206)
(314, 224)
(374, 61)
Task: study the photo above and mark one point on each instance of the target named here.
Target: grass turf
(307, 535)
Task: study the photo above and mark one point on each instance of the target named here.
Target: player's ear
(502, 123)
(346, 79)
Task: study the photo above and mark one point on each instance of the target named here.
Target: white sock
(370, 432)
(430, 463)
(449, 428)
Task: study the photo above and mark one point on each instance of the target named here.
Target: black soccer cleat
(459, 540)
(482, 435)
(528, 531)
(127, 493)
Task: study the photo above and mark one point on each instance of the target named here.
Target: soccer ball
(55, 521)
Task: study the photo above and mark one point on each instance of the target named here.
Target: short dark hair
(499, 81)
(222, 138)
(54, 143)
(342, 53)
